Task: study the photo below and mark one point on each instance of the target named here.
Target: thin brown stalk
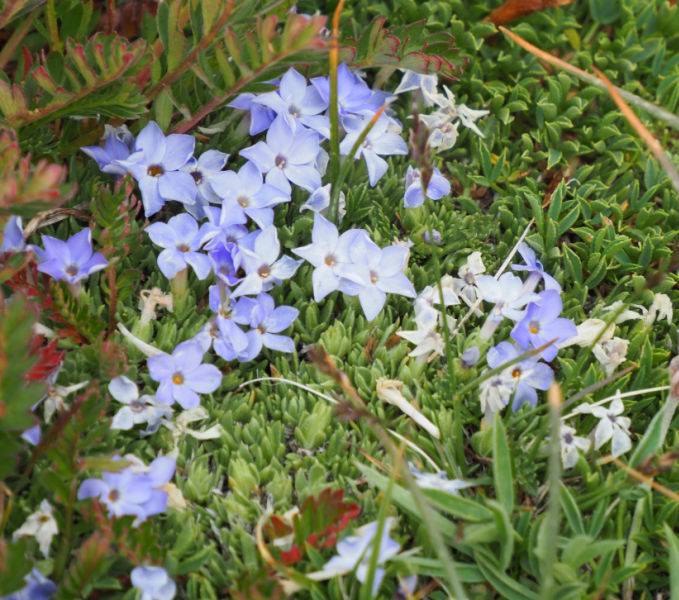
(653, 110)
(11, 44)
(653, 144)
(639, 476)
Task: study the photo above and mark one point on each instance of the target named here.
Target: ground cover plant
(338, 301)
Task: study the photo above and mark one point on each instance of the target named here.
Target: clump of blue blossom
(154, 583)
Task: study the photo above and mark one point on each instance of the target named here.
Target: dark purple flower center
(568, 438)
(612, 418)
(114, 495)
(197, 177)
(71, 270)
(367, 145)
(280, 161)
(373, 277)
(294, 111)
(155, 170)
(264, 271)
(178, 378)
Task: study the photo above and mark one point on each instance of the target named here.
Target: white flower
(612, 427)
(354, 552)
(627, 314)
(438, 481)
(54, 399)
(138, 410)
(588, 331)
(494, 393)
(611, 353)
(469, 116)
(41, 525)
(465, 285)
(570, 443)
(661, 308)
(425, 84)
(179, 428)
(426, 341)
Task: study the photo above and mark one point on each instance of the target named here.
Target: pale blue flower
(266, 322)
(263, 267)
(181, 239)
(381, 272)
(38, 587)
(296, 102)
(13, 236)
(118, 146)
(203, 170)
(154, 583)
(380, 141)
(328, 253)
(260, 116)
(136, 410)
(182, 376)
(156, 163)
(354, 553)
(245, 194)
(520, 379)
(535, 269)
(73, 260)
(541, 324)
(288, 155)
(438, 187)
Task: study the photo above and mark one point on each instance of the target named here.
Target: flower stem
(334, 116)
(179, 285)
(458, 439)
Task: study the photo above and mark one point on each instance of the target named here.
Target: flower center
(114, 495)
(568, 438)
(281, 161)
(534, 327)
(178, 378)
(244, 201)
(367, 145)
(264, 271)
(43, 518)
(197, 177)
(330, 260)
(136, 406)
(72, 270)
(516, 372)
(260, 329)
(155, 170)
(183, 247)
(294, 111)
(373, 277)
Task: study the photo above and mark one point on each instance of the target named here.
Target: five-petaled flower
(73, 260)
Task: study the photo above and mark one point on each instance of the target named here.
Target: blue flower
(354, 97)
(380, 140)
(71, 261)
(118, 146)
(541, 324)
(156, 163)
(328, 252)
(182, 240)
(182, 376)
(130, 492)
(535, 269)
(521, 379)
(226, 259)
(354, 552)
(38, 587)
(379, 270)
(203, 171)
(288, 155)
(244, 194)
(260, 116)
(438, 187)
(13, 236)
(296, 102)
(266, 321)
(263, 267)
(154, 583)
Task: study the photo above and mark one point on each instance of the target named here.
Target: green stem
(457, 422)
(67, 533)
(551, 524)
(51, 17)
